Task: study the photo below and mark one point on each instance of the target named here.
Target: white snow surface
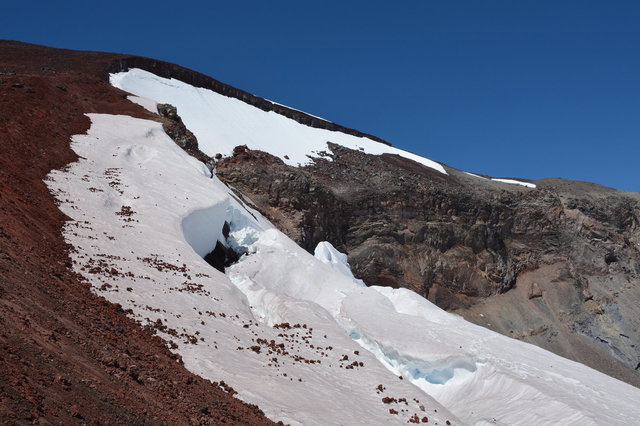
(475, 175)
(221, 123)
(327, 254)
(142, 206)
(148, 104)
(515, 182)
(511, 181)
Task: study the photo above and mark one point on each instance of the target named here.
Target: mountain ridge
(255, 175)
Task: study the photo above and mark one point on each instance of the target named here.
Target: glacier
(294, 333)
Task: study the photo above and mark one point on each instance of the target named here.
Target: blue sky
(526, 89)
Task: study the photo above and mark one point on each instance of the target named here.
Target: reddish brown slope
(66, 355)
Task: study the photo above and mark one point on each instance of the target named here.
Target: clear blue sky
(508, 88)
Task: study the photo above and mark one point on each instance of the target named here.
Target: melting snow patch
(143, 214)
(511, 181)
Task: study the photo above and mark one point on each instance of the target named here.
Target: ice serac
(465, 367)
(326, 253)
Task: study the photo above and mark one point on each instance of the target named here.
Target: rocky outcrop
(175, 128)
(465, 242)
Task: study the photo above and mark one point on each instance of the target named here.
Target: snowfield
(222, 123)
(144, 213)
(294, 333)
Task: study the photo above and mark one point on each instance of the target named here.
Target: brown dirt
(68, 356)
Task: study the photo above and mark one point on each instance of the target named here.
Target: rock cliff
(557, 265)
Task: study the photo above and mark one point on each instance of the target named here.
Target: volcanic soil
(67, 355)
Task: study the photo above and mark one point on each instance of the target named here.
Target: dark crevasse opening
(223, 255)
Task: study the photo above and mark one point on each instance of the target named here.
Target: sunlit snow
(511, 181)
(515, 182)
(148, 104)
(222, 123)
(143, 214)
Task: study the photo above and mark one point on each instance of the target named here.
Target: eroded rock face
(462, 241)
(183, 137)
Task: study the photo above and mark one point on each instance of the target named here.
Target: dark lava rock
(465, 242)
(175, 128)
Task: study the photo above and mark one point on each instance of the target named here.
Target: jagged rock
(175, 128)
(240, 149)
(222, 255)
(610, 258)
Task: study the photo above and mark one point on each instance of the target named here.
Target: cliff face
(557, 265)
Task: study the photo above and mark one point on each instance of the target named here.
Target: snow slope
(481, 376)
(222, 123)
(294, 333)
(143, 214)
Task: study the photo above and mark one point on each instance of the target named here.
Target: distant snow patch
(511, 181)
(299, 110)
(474, 175)
(515, 182)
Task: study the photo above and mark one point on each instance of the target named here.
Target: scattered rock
(534, 291)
